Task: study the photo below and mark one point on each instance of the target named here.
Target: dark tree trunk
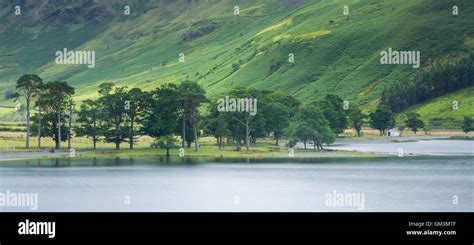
(69, 130)
(117, 135)
(94, 138)
(131, 133)
(39, 126)
(58, 142)
(183, 130)
(238, 144)
(247, 137)
(28, 121)
(195, 133)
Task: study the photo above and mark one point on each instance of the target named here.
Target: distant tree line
(121, 115)
(437, 80)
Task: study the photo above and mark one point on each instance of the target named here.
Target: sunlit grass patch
(311, 35)
(276, 26)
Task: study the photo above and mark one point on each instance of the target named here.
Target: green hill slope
(333, 53)
(446, 111)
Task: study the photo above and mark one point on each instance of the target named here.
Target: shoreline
(308, 154)
(259, 151)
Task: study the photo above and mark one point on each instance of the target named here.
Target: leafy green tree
(333, 110)
(239, 125)
(321, 130)
(49, 126)
(135, 105)
(11, 94)
(189, 133)
(113, 111)
(161, 117)
(89, 121)
(414, 122)
(29, 85)
(401, 128)
(70, 106)
(258, 129)
(467, 124)
(299, 131)
(426, 128)
(56, 99)
(217, 124)
(310, 124)
(191, 95)
(323, 136)
(277, 110)
(357, 120)
(222, 130)
(166, 142)
(244, 123)
(382, 119)
(40, 99)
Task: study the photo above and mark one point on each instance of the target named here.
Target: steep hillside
(333, 52)
(445, 111)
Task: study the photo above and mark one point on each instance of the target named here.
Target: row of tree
(436, 80)
(54, 106)
(120, 115)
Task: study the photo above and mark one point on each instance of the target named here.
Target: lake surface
(416, 183)
(409, 145)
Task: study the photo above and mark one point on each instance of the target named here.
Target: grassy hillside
(334, 53)
(440, 111)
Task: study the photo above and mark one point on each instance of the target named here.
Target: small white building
(393, 132)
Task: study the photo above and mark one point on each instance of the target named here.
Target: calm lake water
(409, 145)
(421, 183)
